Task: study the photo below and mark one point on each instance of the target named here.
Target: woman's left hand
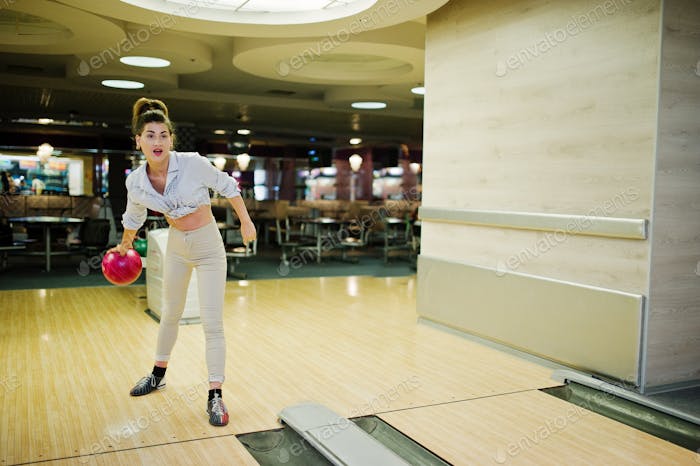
(248, 232)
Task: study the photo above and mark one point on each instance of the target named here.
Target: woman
(8, 184)
(177, 185)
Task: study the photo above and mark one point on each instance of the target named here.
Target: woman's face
(155, 142)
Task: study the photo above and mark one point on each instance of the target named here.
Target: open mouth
(157, 152)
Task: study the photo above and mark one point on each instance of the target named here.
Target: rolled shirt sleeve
(135, 214)
(217, 180)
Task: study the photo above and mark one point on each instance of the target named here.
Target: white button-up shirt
(190, 176)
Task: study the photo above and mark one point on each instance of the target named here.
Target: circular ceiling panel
(221, 18)
(40, 26)
(19, 28)
(185, 55)
(391, 55)
(353, 66)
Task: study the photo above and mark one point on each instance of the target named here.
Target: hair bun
(144, 105)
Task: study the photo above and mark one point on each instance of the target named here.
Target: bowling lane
(532, 428)
(351, 343)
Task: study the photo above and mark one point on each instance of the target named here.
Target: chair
(235, 254)
(356, 240)
(397, 236)
(288, 239)
(394, 233)
(94, 236)
(6, 243)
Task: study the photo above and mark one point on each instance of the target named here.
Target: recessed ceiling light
(45, 121)
(122, 84)
(243, 132)
(269, 6)
(355, 141)
(420, 90)
(369, 105)
(145, 62)
(220, 131)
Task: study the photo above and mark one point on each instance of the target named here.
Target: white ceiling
(297, 80)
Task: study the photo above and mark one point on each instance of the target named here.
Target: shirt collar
(173, 168)
(172, 162)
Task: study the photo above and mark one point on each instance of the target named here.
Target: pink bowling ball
(122, 270)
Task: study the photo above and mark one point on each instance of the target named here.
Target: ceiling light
(243, 132)
(243, 161)
(355, 162)
(369, 105)
(44, 152)
(220, 162)
(355, 141)
(267, 12)
(420, 90)
(122, 84)
(219, 131)
(270, 6)
(145, 62)
(45, 121)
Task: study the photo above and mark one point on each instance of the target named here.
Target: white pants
(203, 249)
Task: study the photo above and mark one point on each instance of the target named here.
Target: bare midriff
(197, 219)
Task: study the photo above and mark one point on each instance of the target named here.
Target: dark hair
(150, 111)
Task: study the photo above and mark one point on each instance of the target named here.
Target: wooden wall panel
(560, 132)
(617, 264)
(542, 106)
(673, 351)
(515, 124)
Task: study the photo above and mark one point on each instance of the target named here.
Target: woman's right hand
(121, 248)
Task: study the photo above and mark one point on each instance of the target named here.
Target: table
(47, 223)
(322, 225)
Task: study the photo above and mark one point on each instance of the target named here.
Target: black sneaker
(147, 384)
(218, 414)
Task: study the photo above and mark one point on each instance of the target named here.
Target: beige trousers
(202, 249)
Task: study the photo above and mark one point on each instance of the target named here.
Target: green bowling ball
(141, 246)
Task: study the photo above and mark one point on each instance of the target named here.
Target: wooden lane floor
(205, 451)
(351, 343)
(532, 428)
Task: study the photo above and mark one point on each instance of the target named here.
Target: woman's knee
(213, 327)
